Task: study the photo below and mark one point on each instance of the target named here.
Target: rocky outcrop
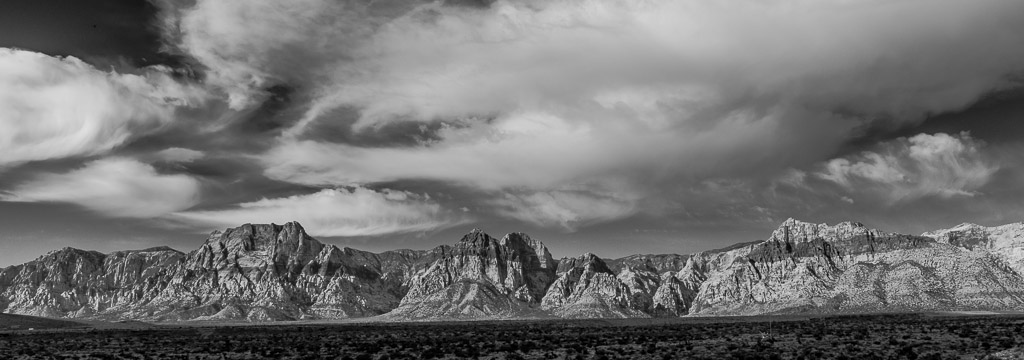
(278, 272)
(658, 264)
(77, 283)
(587, 288)
(850, 268)
(1005, 242)
(480, 276)
(271, 272)
(253, 272)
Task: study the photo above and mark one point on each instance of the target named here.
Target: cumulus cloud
(117, 187)
(339, 212)
(60, 107)
(538, 95)
(909, 168)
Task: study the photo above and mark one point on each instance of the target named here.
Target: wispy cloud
(564, 209)
(60, 107)
(178, 155)
(117, 187)
(339, 212)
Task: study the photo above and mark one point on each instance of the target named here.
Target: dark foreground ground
(920, 336)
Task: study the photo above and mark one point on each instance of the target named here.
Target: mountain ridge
(264, 272)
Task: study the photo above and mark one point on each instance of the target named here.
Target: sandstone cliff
(278, 272)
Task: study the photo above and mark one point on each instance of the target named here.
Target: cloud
(939, 165)
(61, 107)
(567, 210)
(118, 187)
(533, 97)
(429, 61)
(248, 46)
(179, 155)
(339, 212)
(539, 150)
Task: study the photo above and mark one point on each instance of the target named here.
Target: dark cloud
(124, 34)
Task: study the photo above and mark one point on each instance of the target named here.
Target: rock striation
(277, 272)
(480, 277)
(587, 288)
(849, 268)
(253, 272)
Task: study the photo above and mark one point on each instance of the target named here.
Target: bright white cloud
(60, 107)
(909, 168)
(179, 155)
(118, 187)
(339, 212)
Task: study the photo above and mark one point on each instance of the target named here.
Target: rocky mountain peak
(796, 231)
(155, 249)
(531, 248)
(476, 238)
(269, 271)
(263, 237)
(945, 235)
(971, 236)
(482, 275)
(518, 237)
(586, 263)
(68, 253)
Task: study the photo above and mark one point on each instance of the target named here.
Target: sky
(607, 126)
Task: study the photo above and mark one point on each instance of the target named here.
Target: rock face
(850, 268)
(587, 288)
(254, 272)
(480, 276)
(278, 272)
(1005, 242)
(77, 283)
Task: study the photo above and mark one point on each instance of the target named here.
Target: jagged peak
(525, 239)
(792, 222)
(476, 237)
(288, 226)
(587, 261)
(161, 248)
(973, 227)
(517, 235)
(261, 236)
(962, 227)
(69, 251)
(793, 230)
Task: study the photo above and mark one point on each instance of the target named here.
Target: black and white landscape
(577, 133)
(277, 272)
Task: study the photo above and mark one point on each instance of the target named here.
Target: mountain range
(277, 272)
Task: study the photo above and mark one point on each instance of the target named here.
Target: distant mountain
(479, 277)
(278, 272)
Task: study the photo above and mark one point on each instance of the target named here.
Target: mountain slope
(254, 272)
(480, 276)
(850, 268)
(278, 272)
